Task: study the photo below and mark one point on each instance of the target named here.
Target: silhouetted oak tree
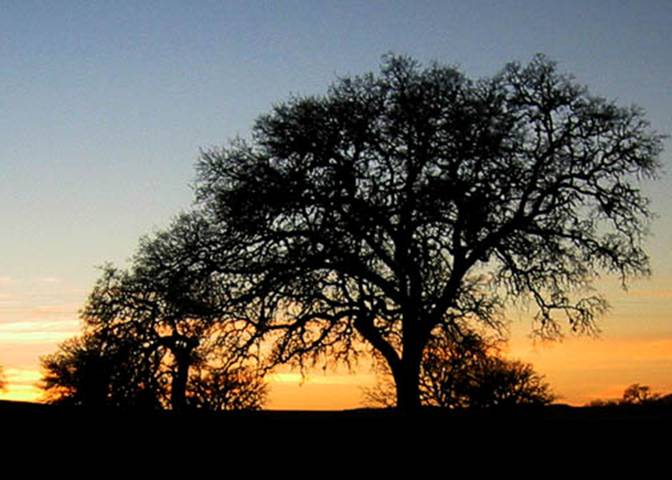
(401, 201)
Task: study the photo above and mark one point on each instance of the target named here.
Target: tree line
(397, 215)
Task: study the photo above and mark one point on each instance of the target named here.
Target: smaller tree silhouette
(148, 328)
(469, 372)
(166, 305)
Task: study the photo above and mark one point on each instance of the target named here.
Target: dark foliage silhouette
(96, 371)
(468, 372)
(155, 322)
(403, 201)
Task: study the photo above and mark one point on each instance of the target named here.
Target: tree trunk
(178, 389)
(407, 381)
(405, 370)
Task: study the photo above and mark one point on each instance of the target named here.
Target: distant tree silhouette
(637, 394)
(468, 373)
(156, 321)
(402, 201)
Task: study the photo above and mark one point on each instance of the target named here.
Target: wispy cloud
(63, 309)
(13, 310)
(7, 300)
(22, 376)
(48, 280)
(28, 332)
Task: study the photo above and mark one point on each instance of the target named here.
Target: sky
(105, 104)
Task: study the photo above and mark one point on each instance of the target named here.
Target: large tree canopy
(400, 204)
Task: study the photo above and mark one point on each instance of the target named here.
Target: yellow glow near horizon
(22, 394)
(22, 385)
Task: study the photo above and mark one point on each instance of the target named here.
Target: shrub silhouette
(468, 373)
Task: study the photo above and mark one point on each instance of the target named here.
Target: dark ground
(557, 437)
(554, 416)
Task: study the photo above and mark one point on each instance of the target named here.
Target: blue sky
(104, 106)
